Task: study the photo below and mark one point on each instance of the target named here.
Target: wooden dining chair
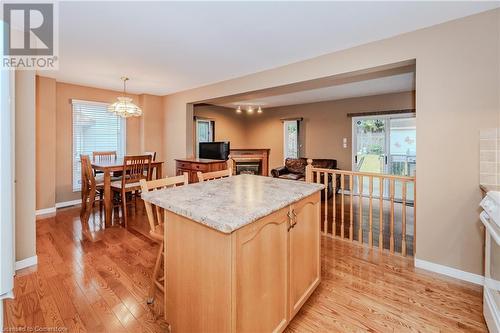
(90, 188)
(152, 153)
(135, 168)
(156, 218)
(104, 155)
(101, 156)
(217, 174)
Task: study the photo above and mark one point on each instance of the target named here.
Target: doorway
(384, 144)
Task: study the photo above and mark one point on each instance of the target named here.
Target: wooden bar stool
(156, 218)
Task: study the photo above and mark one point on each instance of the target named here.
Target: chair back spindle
(104, 156)
(136, 168)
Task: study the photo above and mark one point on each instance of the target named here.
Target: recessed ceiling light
(259, 110)
(238, 109)
(250, 109)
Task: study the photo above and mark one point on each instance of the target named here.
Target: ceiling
(379, 86)
(165, 47)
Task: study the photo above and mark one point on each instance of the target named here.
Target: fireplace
(250, 161)
(248, 168)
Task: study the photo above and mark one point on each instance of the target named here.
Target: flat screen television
(214, 150)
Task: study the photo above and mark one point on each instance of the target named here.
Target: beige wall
(45, 141)
(324, 126)
(151, 124)
(64, 129)
(54, 134)
(24, 164)
(457, 86)
(228, 125)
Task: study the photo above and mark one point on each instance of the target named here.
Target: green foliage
(372, 126)
(375, 149)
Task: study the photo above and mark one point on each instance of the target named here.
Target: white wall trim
(68, 203)
(491, 312)
(45, 211)
(51, 210)
(31, 261)
(449, 271)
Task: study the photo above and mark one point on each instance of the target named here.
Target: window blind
(94, 129)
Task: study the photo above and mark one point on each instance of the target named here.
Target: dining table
(107, 167)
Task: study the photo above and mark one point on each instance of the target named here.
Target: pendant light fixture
(124, 107)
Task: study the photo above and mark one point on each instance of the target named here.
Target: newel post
(309, 171)
(230, 164)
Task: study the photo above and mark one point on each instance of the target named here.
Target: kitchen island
(242, 253)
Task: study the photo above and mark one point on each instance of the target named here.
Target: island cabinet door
(261, 288)
(305, 247)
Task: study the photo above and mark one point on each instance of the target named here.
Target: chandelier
(124, 107)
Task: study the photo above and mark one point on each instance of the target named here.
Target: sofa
(295, 169)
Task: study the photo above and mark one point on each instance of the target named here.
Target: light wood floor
(376, 221)
(96, 281)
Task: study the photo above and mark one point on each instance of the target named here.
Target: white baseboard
(449, 271)
(51, 210)
(491, 312)
(45, 211)
(31, 261)
(68, 203)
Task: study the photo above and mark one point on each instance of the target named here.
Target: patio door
(370, 149)
(385, 145)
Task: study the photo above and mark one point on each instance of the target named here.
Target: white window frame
(211, 134)
(285, 137)
(121, 151)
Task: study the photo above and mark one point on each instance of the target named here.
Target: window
(94, 129)
(291, 138)
(204, 132)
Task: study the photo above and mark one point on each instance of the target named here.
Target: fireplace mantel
(260, 155)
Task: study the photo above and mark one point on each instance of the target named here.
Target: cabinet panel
(261, 276)
(304, 256)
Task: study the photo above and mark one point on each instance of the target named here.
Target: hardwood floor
(88, 280)
(398, 234)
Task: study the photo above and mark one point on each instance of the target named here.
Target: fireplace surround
(250, 161)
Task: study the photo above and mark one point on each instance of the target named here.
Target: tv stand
(193, 165)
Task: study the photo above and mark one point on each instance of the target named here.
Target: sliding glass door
(403, 146)
(370, 145)
(385, 145)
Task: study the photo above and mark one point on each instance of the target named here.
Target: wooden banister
(392, 191)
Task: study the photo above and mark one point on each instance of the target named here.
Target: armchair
(295, 169)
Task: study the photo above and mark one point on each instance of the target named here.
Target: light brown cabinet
(304, 253)
(262, 274)
(193, 165)
(252, 280)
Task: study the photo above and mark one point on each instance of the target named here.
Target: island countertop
(230, 203)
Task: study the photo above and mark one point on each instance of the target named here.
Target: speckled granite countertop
(230, 203)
